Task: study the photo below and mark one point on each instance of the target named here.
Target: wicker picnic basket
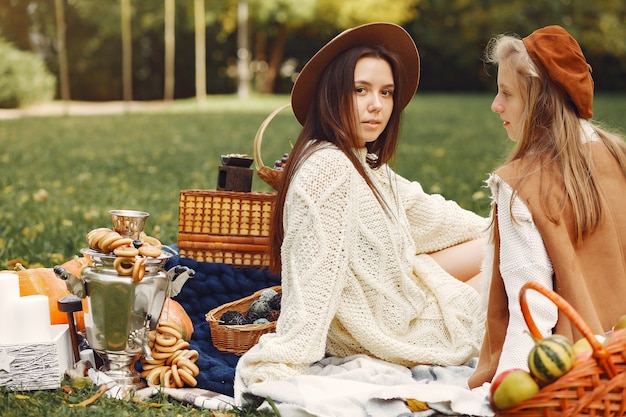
(596, 386)
(271, 176)
(225, 226)
(237, 338)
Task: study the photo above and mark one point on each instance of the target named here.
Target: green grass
(64, 402)
(60, 175)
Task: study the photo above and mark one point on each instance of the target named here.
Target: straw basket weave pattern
(225, 226)
(596, 386)
(237, 338)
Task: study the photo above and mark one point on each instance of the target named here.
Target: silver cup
(129, 223)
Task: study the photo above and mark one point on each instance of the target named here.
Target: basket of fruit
(563, 380)
(238, 325)
(273, 176)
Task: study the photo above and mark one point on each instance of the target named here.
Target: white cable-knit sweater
(356, 279)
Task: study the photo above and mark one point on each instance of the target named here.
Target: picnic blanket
(352, 386)
(362, 386)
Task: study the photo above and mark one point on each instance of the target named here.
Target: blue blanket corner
(213, 285)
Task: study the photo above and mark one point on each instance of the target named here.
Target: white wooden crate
(37, 366)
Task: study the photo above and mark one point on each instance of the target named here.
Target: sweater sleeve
(315, 258)
(523, 258)
(436, 223)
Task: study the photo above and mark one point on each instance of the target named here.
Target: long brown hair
(551, 134)
(331, 120)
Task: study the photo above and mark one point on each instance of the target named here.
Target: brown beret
(559, 57)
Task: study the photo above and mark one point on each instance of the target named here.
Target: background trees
(282, 35)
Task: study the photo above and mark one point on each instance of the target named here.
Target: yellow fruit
(583, 345)
(550, 358)
(512, 387)
(621, 323)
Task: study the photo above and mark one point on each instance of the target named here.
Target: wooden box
(37, 366)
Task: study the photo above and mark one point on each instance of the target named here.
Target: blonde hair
(551, 133)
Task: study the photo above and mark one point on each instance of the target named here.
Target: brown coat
(591, 277)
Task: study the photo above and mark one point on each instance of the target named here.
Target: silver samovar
(121, 310)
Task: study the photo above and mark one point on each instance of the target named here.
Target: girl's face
(509, 102)
(373, 97)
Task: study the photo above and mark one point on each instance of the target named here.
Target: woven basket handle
(258, 138)
(600, 352)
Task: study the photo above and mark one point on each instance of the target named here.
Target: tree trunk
(170, 14)
(275, 59)
(63, 71)
(243, 51)
(127, 53)
(200, 31)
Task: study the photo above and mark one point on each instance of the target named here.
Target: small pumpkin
(174, 312)
(43, 281)
(551, 358)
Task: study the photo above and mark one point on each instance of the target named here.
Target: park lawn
(62, 174)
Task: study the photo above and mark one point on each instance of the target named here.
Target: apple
(582, 356)
(583, 345)
(511, 387)
(621, 323)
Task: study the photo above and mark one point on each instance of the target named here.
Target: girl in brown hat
(352, 238)
(558, 214)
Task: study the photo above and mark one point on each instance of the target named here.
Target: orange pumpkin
(174, 312)
(43, 281)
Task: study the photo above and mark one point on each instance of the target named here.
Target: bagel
(154, 375)
(186, 377)
(151, 241)
(107, 240)
(177, 380)
(91, 234)
(147, 367)
(173, 356)
(167, 323)
(128, 251)
(124, 241)
(170, 330)
(162, 356)
(152, 362)
(124, 266)
(149, 251)
(165, 340)
(139, 269)
(166, 378)
(192, 354)
(94, 240)
(185, 363)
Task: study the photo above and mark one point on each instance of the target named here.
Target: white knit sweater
(356, 278)
(523, 257)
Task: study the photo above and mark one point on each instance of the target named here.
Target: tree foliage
(24, 78)
(450, 35)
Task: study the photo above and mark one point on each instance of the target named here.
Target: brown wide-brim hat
(559, 57)
(391, 36)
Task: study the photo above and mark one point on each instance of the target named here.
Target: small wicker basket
(237, 339)
(271, 176)
(596, 386)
